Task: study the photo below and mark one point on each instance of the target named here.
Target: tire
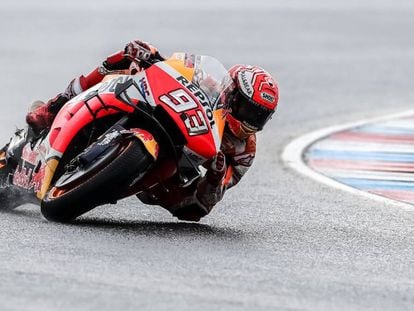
(99, 187)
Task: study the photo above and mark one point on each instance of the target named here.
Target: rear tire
(100, 187)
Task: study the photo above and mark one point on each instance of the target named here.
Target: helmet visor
(249, 113)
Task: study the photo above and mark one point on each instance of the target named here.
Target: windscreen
(211, 76)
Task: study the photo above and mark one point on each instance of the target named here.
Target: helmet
(252, 101)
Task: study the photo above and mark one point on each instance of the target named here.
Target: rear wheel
(103, 185)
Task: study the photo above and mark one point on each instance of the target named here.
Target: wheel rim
(56, 192)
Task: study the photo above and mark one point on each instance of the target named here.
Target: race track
(279, 241)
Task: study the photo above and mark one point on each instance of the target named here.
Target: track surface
(278, 241)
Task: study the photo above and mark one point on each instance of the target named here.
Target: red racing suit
(196, 200)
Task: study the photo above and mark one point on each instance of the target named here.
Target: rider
(251, 102)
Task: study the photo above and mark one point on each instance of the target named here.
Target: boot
(41, 115)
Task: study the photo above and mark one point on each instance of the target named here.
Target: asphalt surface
(279, 241)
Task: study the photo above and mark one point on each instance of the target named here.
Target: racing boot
(148, 198)
(41, 115)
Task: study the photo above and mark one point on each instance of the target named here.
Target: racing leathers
(41, 115)
(187, 203)
(198, 199)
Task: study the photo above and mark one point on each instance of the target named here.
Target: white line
(406, 149)
(293, 156)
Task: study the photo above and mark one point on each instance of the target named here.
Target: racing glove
(210, 189)
(142, 51)
(208, 192)
(217, 169)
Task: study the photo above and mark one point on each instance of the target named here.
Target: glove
(217, 170)
(210, 189)
(140, 50)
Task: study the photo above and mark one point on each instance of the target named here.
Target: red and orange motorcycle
(119, 138)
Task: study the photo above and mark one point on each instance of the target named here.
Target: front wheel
(101, 186)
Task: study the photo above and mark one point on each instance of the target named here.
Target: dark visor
(250, 113)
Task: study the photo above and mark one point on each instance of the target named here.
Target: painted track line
(293, 154)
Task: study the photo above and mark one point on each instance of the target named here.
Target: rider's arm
(139, 53)
(239, 155)
(208, 191)
(219, 178)
(121, 60)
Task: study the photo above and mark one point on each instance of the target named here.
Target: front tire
(102, 186)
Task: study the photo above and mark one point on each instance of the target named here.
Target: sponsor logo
(29, 155)
(32, 156)
(246, 85)
(267, 97)
(108, 138)
(106, 87)
(150, 144)
(144, 136)
(144, 86)
(23, 177)
(110, 85)
(201, 96)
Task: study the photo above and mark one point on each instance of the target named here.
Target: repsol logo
(202, 98)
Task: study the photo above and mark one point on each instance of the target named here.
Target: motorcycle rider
(251, 102)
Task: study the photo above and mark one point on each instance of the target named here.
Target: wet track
(279, 241)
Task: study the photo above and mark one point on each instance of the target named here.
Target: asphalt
(278, 241)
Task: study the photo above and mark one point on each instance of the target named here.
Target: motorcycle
(120, 138)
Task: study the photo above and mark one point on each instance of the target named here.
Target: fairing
(192, 98)
(187, 86)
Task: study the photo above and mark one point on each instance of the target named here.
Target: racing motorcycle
(119, 138)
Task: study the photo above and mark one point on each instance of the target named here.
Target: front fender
(69, 122)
